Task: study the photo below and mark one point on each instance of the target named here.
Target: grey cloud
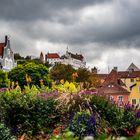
(39, 9)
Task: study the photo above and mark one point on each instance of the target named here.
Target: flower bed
(84, 113)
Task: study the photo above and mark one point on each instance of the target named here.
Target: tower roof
(133, 67)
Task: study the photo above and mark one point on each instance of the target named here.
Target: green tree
(17, 56)
(83, 75)
(61, 71)
(35, 72)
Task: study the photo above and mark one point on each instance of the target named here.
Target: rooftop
(52, 55)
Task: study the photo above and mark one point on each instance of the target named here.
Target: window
(132, 80)
(133, 101)
(120, 98)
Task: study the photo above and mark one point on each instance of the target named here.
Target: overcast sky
(106, 32)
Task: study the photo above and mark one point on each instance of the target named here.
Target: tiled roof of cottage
(113, 78)
(116, 89)
(2, 45)
(52, 55)
(129, 74)
(121, 74)
(113, 85)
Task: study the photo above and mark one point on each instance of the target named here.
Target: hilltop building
(7, 61)
(76, 60)
(42, 58)
(52, 58)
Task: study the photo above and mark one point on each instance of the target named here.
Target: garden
(34, 107)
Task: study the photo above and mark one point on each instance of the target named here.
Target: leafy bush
(5, 133)
(30, 73)
(107, 109)
(29, 114)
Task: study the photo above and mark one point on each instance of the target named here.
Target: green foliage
(4, 81)
(106, 109)
(61, 71)
(29, 114)
(17, 56)
(36, 72)
(5, 133)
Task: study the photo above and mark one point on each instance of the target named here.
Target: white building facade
(75, 60)
(7, 61)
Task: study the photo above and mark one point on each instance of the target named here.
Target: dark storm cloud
(40, 9)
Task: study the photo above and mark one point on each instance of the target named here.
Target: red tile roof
(129, 74)
(121, 74)
(76, 56)
(2, 45)
(112, 78)
(116, 89)
(53, 55)
(113, 85)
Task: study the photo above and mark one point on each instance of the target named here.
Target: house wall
(128, 82)
(125, 97)
(135, 93)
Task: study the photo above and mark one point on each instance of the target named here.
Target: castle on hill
(76, 60)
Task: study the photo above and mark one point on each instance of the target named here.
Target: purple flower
(138, 114)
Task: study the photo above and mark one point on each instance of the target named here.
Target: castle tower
(42, 58)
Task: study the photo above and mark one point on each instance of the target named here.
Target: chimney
(115, 68)
(6, 39)
(94, 70)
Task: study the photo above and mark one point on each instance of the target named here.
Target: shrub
(5, 133)
(107, 109)
(29, 114)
